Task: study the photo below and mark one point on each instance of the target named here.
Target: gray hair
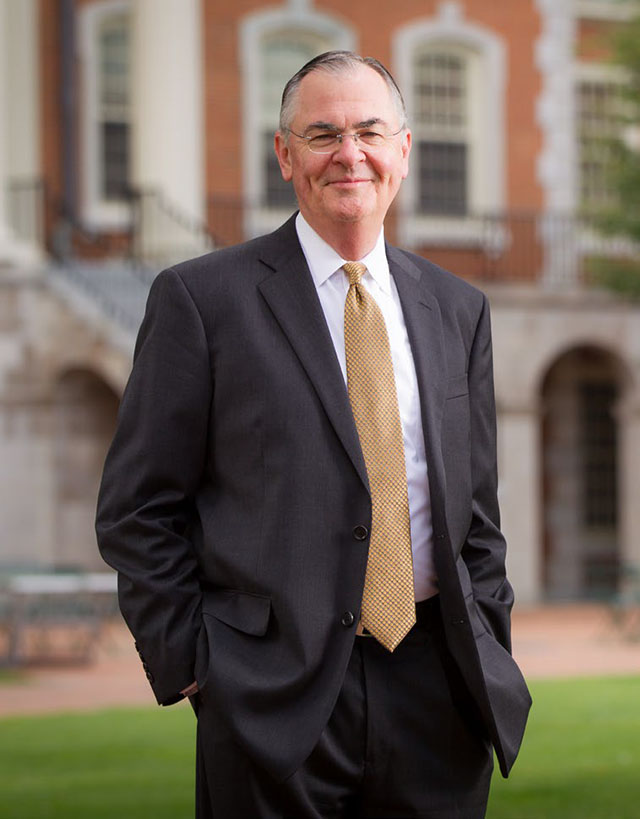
(336, 62)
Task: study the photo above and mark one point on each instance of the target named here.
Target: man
(300, 498)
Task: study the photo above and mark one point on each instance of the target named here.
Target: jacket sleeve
(151, 474)
(484, 550)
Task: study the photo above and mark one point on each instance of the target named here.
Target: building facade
(134, 133)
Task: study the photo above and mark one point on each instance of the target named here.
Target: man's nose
(349, 150)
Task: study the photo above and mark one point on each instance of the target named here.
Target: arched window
(452, 73)
(274, 45)
(580, 464)
(113, 105)
(443, 130)
(283, 53)
(106, 111)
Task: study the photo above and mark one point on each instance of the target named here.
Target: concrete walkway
(551, 641)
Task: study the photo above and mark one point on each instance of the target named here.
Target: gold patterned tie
(388, 605)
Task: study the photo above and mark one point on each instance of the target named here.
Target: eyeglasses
(327, 142)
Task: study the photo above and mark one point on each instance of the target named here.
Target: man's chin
(350, 209)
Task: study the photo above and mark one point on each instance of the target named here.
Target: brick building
(138, 132)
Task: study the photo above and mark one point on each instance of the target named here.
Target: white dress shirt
(332, 285)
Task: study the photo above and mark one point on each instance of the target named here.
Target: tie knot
(355, 271)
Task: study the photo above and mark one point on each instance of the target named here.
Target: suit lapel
(291, 295)
(426, 336)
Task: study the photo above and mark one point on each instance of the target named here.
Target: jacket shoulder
(442, 283)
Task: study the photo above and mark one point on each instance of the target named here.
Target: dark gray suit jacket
(235, 483)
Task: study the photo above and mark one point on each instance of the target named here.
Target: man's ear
(406, 150)
(283, 152)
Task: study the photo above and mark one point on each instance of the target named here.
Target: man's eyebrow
(330, 126)
(367, 123)
(322, 126)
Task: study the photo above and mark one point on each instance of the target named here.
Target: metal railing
(511, 247)
(162, 234)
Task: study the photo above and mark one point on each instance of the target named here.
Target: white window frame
(97, 213)
(470, 131)
(487, 126)
(259, 219)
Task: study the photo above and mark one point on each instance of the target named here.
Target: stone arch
(580, 391)
(542, 366)
(84, 409)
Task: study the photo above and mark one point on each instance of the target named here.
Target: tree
(622, 218)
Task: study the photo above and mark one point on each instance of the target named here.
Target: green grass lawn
(580, 760)
(581, 754)
(116, 764)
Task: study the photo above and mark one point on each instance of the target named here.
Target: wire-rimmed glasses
(326, 142)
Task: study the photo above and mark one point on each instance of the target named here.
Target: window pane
(282, 56)
(600, 118)
(443, 178)
(114, 67)
(115, 159)
(114, 105)
(442, 130)
(598, 448)
(441, 94)
(277, 192)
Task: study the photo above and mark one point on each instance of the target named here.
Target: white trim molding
(555, 109)
(609, 10)
(488, 172)
(297, 17)
(556, 116)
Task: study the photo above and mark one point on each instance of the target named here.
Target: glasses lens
(372, 139)
(324, 143)
(328, 142)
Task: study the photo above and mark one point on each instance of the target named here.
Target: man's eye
(371, 137)
(322, 140)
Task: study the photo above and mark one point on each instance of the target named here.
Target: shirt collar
(324, 261)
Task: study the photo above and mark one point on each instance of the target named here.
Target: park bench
(53, 618)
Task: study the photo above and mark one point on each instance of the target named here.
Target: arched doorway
(580, 437)
(84, 417)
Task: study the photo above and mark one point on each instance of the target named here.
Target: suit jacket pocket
(457, 386)
(243, 611)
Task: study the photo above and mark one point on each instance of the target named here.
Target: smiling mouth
(348, 182)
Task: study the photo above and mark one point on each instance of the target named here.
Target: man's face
(350, 185)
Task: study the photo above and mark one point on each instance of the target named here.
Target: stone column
(520, 503)
(167, 97)
(554, 54)
(19, 156)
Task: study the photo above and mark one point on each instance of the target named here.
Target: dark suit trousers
(404, 740)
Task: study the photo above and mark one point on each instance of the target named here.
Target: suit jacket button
(360, 532)
(347, 618)
(149, 676)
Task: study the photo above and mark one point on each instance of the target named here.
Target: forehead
(354, 95)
